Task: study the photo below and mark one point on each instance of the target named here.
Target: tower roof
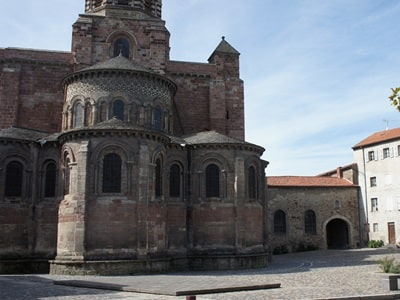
(225, 48)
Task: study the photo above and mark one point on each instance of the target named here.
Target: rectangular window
(398, 150)
(371, 155)
(374, 204)
(372, 181)
(375, 227)
(386, 152)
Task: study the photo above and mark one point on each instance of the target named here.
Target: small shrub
(375, 243)
(389, 265)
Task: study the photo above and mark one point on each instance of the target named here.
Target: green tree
(395, 98)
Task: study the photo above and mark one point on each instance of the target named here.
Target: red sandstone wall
(31, 94)
(204, 101)
(92, 40)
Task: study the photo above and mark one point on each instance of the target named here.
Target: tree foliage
(395, 98)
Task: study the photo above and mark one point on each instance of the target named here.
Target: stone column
(71, 215)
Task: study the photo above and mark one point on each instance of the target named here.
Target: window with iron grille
(279, 222)
(310, 223)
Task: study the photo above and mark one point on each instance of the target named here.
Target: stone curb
(126, 288)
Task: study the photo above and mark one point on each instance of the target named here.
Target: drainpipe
(365, 190)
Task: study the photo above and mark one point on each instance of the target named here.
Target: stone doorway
(337, 234)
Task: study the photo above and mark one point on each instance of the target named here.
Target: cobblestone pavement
(307, 275)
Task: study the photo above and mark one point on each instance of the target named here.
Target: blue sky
(317, 73)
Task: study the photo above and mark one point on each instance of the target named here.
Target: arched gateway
(337, 234)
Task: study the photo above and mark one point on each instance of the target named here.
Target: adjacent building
(378, 161)
(313, 212)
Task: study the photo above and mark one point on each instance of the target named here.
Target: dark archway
(337, 234)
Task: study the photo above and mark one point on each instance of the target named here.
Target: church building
(115, 159)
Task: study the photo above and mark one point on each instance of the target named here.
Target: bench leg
(393, 286)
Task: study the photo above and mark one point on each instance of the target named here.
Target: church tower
(150, 7)
(133, 28)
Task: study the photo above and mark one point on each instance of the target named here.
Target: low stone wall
(160, 265)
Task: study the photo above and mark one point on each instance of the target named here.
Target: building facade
(378, 160)
(116, 160)
(313, 212)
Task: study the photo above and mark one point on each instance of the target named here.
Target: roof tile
(307, 181)
(379, 137)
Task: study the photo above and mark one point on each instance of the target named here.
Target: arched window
(50, 180)
(67, 176)
(121, 47)
(279, 222)
(157, 119)
(103, 112)
(88, 114)
(212, 181)
(14, 179)
(175, 179)
(78, 115)
(252, 183)
(112, 173)
(310, 223)
(118, 109)
(158, 178)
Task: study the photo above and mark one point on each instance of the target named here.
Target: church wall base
(24, 266)
(160, 265)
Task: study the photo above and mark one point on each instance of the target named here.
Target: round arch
(338, 233)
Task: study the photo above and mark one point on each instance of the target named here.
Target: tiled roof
(379, 137)
(22, 134)
(210, 137)
(307, 181)
(207, 138)
(118, 63)
(113, 124)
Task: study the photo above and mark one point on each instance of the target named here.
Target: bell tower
(150, 7)
(133, 28)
